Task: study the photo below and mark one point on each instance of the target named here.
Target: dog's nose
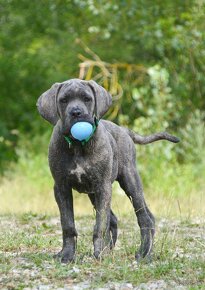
(75, 112)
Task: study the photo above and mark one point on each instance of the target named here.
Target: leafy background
(159, 52)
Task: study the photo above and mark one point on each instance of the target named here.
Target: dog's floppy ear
(103, 99)
(46, 104)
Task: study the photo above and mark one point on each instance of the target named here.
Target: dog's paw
(64, 256)
(58, 255)
(100, 253)
(145, 259)
(67, 260)
(97, 255)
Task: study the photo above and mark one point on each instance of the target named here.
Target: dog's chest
(77, 172)
(83, 176)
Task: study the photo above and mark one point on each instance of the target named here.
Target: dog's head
(72, 101)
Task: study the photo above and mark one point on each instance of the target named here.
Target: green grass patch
(26, 258)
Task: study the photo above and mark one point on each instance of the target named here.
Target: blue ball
(81, 130)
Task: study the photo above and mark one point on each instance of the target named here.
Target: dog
(92, 166)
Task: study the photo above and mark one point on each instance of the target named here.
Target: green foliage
(38, 47)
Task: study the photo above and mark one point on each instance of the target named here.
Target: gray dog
(91, 166)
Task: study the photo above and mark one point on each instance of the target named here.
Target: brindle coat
(93, 167)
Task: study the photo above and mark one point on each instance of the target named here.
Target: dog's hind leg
(113, 228)
(113, 222)
(131, 184)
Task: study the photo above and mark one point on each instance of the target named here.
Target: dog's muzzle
(81, 129)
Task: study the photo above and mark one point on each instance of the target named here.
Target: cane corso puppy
(91, 166)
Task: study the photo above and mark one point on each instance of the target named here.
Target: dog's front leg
(64, 199)
(101, 235)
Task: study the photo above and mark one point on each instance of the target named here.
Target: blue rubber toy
(81, 130)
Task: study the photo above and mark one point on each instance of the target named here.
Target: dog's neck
(77, 148)
(73, 142)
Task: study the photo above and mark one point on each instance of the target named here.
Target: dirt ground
(28, 242)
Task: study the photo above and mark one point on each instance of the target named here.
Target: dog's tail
(143, 140)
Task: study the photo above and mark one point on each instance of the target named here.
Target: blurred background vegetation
(149, 54)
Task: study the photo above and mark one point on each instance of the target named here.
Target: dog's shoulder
(110, 126)
(115, 130)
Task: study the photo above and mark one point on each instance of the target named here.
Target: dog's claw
(67, 260)
(57, 256)
(97, 255)
(64, 257)
(139, 258)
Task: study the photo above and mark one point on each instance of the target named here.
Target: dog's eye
(87, 99)
(64, 100)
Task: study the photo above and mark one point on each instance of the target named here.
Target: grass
(28, 242)
(170, 189)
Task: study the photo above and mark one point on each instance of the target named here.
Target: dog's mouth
(83, 118)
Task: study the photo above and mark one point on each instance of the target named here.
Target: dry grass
(19, 195)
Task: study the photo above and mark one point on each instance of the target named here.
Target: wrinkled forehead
(75, 88)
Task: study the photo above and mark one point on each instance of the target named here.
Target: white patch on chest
(78, 172)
